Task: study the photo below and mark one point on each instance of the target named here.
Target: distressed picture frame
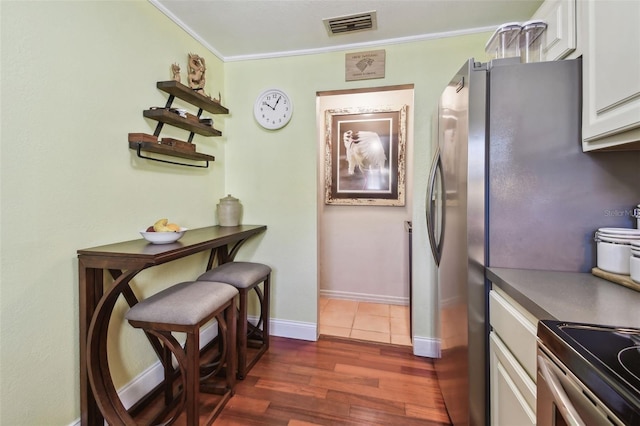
(364, 156)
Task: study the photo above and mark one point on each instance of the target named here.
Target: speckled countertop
(569, 296)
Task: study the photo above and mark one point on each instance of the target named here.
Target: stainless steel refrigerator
(510, 187)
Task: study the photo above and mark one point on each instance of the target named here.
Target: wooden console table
(124, 261)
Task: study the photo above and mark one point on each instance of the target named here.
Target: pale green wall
(275, 173)
(75, 78)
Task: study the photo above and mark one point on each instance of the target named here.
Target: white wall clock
(273, 109)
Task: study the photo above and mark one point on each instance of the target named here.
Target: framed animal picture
(365, 156)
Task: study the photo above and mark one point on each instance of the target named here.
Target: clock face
(273, 109)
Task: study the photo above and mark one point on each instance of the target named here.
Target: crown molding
(315, 51)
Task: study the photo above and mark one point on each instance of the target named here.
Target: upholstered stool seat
(246, 276)
(185, 307)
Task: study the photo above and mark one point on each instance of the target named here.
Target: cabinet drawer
(513, 392)
(516, 331)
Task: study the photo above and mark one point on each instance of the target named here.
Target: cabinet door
(516, 329)
(611, 74)
(513, 393)
(559, 39)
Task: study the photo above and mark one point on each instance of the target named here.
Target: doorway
(364, 274)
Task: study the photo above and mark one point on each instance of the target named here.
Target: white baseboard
(426, 347)
(294, 330)
(363, 297)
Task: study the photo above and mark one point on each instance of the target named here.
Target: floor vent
(364, 21)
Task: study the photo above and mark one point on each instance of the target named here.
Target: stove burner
(606, 346)
(629, 358)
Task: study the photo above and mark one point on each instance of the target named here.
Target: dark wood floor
(333, 382)
(337, 382)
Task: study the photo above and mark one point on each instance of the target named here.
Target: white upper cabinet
(559, 39)
(611, 74)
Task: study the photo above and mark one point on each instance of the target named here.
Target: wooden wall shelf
(140, 147)
(191, 124)
(173, 119)
(187, 94)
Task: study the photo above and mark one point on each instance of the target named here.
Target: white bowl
(614, 257)
(634, 269)
(163, 237)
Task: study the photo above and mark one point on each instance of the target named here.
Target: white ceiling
(250, 29)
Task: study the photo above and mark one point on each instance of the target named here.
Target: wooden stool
(246, 276)
(185, 307)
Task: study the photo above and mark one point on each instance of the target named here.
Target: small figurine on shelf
(197, 70)
(175, 72)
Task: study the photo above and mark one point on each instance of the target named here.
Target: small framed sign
(364, 65)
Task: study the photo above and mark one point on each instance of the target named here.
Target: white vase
(229, 211)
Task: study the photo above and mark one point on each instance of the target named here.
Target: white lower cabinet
(512, 362)
(513, 393)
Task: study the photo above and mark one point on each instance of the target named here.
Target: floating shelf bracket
(140, 148)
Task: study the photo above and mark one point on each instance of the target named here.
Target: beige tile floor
(365, 321)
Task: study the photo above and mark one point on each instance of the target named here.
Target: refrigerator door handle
(435, 208)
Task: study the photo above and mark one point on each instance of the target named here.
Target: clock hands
(273, 107)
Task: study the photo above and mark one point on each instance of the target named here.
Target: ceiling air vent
(364, 21)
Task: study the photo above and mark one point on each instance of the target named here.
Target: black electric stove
(605, 359)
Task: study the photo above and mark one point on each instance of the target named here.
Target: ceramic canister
(229, 211)
(614, 248)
